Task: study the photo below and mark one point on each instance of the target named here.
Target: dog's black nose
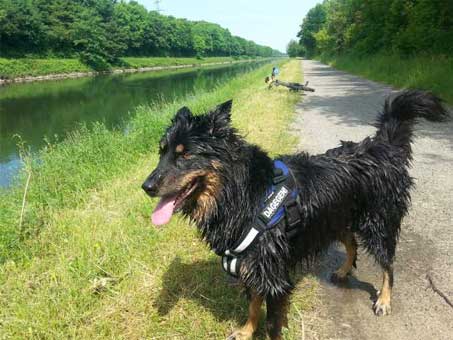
(149, 188)
(152, 183)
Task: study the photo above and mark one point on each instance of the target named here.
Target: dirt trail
(343, 107)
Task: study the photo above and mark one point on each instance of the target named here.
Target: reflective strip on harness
(225, 263)
(233, 266)
(245, 242)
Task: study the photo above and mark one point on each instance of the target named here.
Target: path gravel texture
(344, 107)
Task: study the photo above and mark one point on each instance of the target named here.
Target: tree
(102, 31)
(98, 39)
(21, 28)
(131, 20)
(372, 26)
(294, 49)
(312, 24)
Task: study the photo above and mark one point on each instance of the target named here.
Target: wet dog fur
(357, 193)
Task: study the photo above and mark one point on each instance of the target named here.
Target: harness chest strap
(282, 201)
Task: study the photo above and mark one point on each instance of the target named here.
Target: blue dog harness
(281, 202)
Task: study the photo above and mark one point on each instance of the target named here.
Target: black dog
(218, 180)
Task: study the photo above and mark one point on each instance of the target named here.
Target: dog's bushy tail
(396, 122)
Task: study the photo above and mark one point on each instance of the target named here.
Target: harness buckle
(278, 179)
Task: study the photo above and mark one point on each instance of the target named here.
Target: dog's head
(193, 151)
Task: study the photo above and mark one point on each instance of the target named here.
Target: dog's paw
(239, 335)
(382, 308)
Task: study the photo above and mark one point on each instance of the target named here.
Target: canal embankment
(30, 70)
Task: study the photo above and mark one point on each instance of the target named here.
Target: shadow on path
(355, 101)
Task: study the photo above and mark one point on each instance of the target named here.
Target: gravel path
(343, 107)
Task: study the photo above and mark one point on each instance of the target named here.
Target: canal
(48, 110)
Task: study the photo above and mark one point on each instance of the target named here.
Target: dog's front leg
(277, 315)
(246, 332)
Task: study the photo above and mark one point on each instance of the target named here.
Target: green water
(40, 110)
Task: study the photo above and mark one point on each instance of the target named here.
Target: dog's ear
(183, 114)
(220, 117)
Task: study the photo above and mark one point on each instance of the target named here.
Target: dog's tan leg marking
(246, 331)
(382, 305)
(351, 254)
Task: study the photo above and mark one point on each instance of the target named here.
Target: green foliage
(99, 39)
(311, 24)
(405, 27)
(99, 32)
(294, 49)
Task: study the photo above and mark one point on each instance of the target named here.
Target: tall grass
(92, 266)
(433, 73)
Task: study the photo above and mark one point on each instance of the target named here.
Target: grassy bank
(431, 73)
(163, 61)
(15, 68)
(23, 67)
(87, 263)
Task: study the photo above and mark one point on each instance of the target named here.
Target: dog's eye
(183, 155)
(182, 158)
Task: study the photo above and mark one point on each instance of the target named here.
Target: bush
(94, 61)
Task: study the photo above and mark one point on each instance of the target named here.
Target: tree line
(404, 27)
(101, 31)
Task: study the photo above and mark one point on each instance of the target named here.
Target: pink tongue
(163, 211)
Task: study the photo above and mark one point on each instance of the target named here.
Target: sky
(270, 23)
